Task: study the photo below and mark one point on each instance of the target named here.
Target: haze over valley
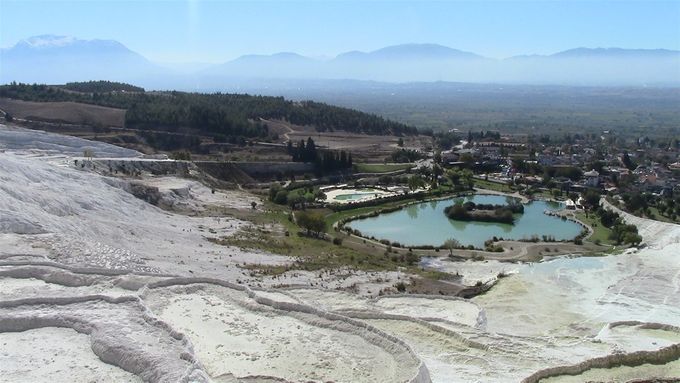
(258, 192)
(73, 59)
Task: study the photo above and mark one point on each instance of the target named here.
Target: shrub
(281, 197)
(411, 257)
(484, 213)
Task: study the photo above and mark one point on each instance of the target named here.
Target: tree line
(101, 87)
(221, 115)
(325, 161)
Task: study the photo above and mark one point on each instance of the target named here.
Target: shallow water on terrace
(425, 224)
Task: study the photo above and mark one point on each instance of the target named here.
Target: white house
(592, 178)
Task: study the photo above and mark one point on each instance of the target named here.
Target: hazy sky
(216, 31)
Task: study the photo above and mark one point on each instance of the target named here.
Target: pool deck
(331, 195)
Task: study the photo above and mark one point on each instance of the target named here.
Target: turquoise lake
(425, 224)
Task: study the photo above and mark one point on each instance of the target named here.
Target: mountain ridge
(73, 59)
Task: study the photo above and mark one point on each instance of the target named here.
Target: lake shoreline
(418, 225)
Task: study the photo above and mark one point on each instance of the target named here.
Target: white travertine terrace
(139, 294)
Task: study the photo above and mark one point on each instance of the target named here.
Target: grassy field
(67, 112)
(660, 217)
(381, 168)
(333, 217)
(496, 186)
(600, 233)
(655, 215)
(274, 232)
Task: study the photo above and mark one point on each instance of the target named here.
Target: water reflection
(412, 211)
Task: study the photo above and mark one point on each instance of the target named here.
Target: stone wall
(251, 172)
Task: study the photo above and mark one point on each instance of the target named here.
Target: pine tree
(310, 150)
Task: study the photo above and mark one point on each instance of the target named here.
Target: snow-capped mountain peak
(49, 41)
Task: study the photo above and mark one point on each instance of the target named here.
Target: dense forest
(220, 115)
(100, 87)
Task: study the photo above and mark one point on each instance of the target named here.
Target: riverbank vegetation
(276, 231)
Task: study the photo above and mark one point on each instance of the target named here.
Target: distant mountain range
(58, 59)
(410, 52)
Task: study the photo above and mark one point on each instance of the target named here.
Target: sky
(218, 31)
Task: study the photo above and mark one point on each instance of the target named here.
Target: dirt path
(282, 124)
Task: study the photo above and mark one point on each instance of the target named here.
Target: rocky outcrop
(150, 194)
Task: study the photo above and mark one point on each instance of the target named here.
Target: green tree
(273, 189)
(415, 182)
(592, 198)
(281, 197)
(468, 178)
(310, 150)
(181, 155)
(296, 199)
(627, 162)
(632, 238)
(454, 176)
(451, 244)
(313, 222)
(411, 257)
